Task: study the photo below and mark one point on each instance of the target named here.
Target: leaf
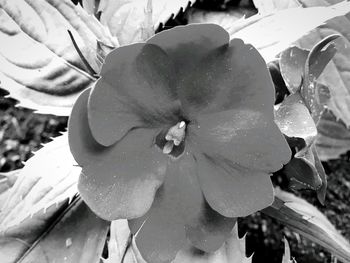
(121, 246)
(301, 171)
(273, 33)
(286, 255)
(232, 251)
(76, 236)
(136, 20)
(321, 192)
(302, 217)
(335, 75)
(7, 180)
(294, 120)
(300, 69)
(270, 6)
(222, 18)
(333, 137)
(91, 6)
(39, 65)
(49, 178)
(292, 64)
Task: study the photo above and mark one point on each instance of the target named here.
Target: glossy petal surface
(123, 184)
(244, 137)
(179, 201)
(234, 191)
(82, 144)
(136, 89)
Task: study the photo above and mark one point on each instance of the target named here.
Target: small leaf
(301, 171)
(77, 235)
(49, 178)
(129, 19)
(333, 137)
(39, 65)
(321, 192)
(273, 33)
(286, 255)
(302, 217)
(292, 64)
(335, 75)
(317, 60)
(270, 6)
(294, 120)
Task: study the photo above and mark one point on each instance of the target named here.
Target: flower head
(178, 136)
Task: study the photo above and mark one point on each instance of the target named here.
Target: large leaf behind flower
(273, 33)
(76, 236)
(333, 137)
(136, 20)
(302, 217)
(43, 187)
(38, 64)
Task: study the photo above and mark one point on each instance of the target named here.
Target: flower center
(174, 137)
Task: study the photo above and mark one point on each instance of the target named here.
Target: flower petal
(83, 146)
(187, 45)
(233, 76)
(211, 230)
(243, 136)
(233, 191)
(136, 89)
(215, 74)
(123, 184)
(178, 202)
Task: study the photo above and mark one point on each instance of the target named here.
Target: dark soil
(22, 132)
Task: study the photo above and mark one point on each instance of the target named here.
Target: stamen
(175, 136)
(168, 147)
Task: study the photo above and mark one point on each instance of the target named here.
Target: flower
(178, 136)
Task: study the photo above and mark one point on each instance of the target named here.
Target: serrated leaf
(91, 6)
(76, 236)
(48, 179)
(286, 255)
(39, 65)
(136, 20)
(270, 6)
(121, 246)
(222, 18)
(273, 33)
(333, 137)
(7, 180)
(302, 217)
(335, 75)
(232, 251)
